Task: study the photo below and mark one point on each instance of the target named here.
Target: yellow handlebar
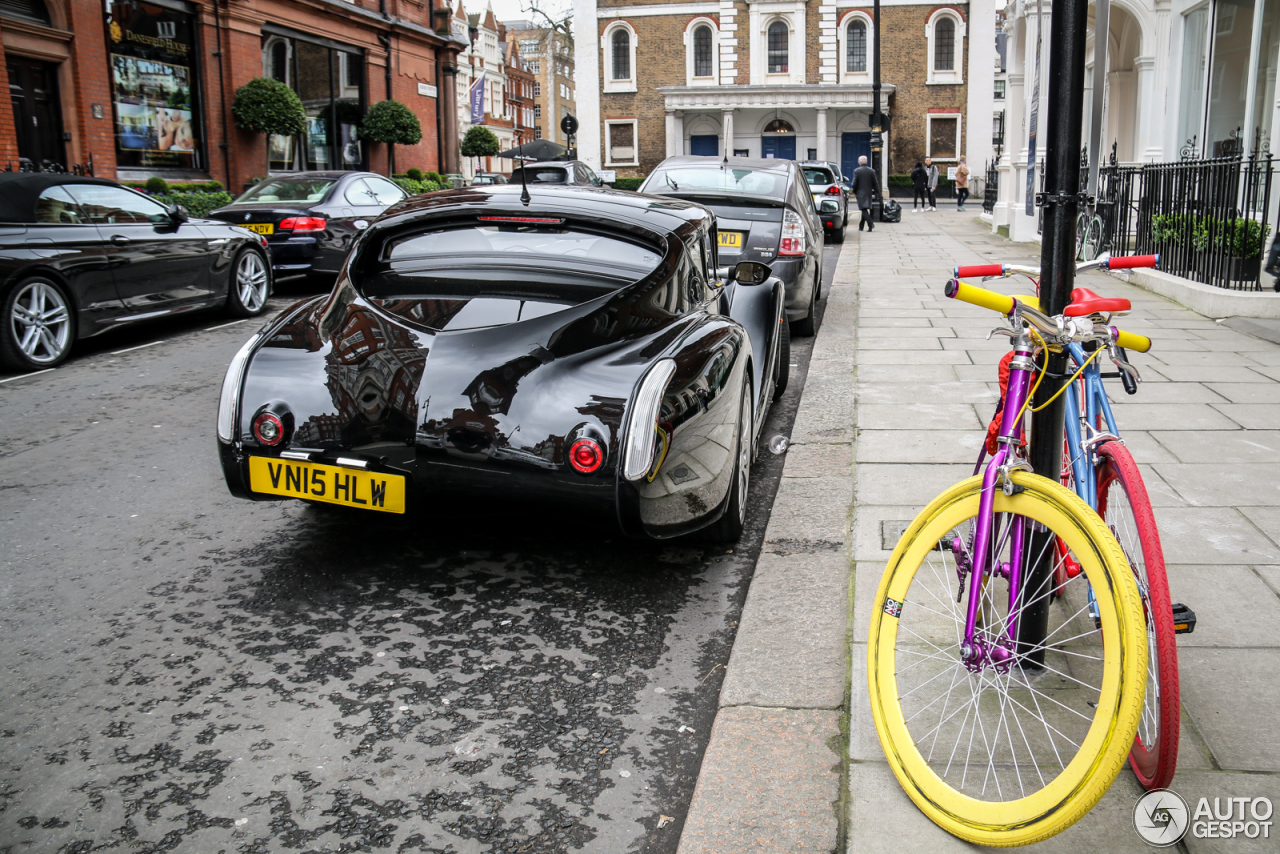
(980, 297)
(1131, 340)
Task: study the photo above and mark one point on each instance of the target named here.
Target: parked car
(581, 349)
(485, 179)
(830, 196)
(764, 212)
(556, 172)
(79, 256)
(310, 219)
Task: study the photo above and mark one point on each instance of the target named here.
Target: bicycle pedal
(1184, 619)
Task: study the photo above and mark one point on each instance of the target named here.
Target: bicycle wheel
(1092, 239)
(1124, 506)
(1082, 223)
(1006, 754)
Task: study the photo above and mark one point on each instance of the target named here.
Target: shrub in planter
(156, 185)
(415, 174)
(197, 204)
(480, 142)
(268, 106)
(391, 122)
(414, 188)
(628, 183)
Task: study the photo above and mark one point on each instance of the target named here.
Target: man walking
(962, 184)
(932, 172)
(866, 186)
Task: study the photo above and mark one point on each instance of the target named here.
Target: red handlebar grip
(979, 271)
(1130, 261)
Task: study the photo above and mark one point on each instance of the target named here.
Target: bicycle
(1099, 468)
(1053, 718)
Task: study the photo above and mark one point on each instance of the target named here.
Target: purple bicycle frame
(975, 653)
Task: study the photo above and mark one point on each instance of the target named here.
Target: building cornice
(611, 12)
(846, 95)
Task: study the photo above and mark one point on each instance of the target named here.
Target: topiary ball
(393, 122)
(156, 186)
(268, 106)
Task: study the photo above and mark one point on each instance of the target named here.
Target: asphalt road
(188, 672)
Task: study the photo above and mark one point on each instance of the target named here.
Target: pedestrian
(920, 183)
(932, 172)
(962, 184)
(866, 187)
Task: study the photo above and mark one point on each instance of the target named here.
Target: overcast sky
(511, 10)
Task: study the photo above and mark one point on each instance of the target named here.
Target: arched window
(702, 51)
(856, 47)
(618, 42)
(944, 45)
(278, 61)
(33, 11)
(621, 55)
(779, 126)
(779, 48)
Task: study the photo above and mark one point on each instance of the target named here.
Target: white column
(822, 133)
(728, 53)
(586, 57)
(727, 135)
(679, 141)
(671, 134)
(981, 77)
(1149, 110)
(827, 45)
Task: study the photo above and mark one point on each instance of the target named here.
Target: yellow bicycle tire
(1104, 750)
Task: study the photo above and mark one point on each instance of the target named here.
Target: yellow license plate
(331, 484)
(260, 227)
(731, 239)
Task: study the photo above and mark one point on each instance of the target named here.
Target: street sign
(569, 125)
(877, 139)
(608, 175)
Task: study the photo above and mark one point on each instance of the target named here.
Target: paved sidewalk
(900, 386)
(1205, 427)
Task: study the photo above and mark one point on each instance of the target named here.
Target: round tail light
(268, 429)
(586, 455)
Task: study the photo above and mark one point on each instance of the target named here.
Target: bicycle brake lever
(1002, 330)
(1128, 373)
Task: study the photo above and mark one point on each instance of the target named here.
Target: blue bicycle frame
(1078, 423)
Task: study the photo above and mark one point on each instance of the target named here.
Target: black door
(158, 266)
(33, 89)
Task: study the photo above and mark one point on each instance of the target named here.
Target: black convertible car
(79, 256)
(581, 348)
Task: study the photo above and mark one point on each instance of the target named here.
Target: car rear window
(719, 179)
(541, 175)
(517, 242)
(287, 190)
(818, 176)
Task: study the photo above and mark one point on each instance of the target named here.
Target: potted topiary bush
(393, 123)
(480, 142)
(268, 107)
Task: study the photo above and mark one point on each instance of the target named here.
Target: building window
(1000, 90)
(330, 84)
(529, 45)
(537, 131)
(537, 90)
(945, 33)
(856, 47)
(155, 86)
(944, 45)
(537, 111)
(702, 51)
(535, 66)
(779, 48)
(943, 136)
(620, 138)
(778, 126)
(619, 44)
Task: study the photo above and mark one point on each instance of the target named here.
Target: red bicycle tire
(1155, 761)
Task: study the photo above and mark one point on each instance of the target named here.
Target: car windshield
(287, 190)
(718, 179)
(818, 176)
(540, 175)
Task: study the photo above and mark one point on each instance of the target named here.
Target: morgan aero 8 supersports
(579, 347)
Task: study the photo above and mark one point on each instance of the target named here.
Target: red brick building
(145, 87)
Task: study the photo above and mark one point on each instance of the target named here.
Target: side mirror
(179, 214)
(751, 272)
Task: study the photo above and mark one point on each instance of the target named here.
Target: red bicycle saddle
(1085, 302)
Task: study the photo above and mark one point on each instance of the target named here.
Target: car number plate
(331, 484)
(260, 227)
(730, 239)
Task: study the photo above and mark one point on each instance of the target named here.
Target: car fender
(760, 311)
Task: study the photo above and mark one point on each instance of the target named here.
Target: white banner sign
(427, 90)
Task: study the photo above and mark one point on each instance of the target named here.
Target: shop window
(330, 83)
(155, 87)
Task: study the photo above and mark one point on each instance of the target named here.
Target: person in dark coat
(866, 187)
(920, 182)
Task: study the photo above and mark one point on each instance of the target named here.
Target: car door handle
(119, 239)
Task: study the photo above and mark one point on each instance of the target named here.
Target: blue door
(853, 146)
(778, 147)
(704, 145)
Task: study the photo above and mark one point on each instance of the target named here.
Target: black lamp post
(877, 123)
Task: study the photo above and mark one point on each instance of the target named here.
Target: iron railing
(1207, 219)
(991, 191)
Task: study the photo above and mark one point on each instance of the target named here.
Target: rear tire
(250, 284)
(807, 326)
(837, 235)
(728, 529)
(39, 325)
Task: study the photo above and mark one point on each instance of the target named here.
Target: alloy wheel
(251, 280)
(41, 322)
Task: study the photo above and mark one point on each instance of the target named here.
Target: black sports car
(79, 256)
(310, 219)
(766, 213)
(581, 348)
